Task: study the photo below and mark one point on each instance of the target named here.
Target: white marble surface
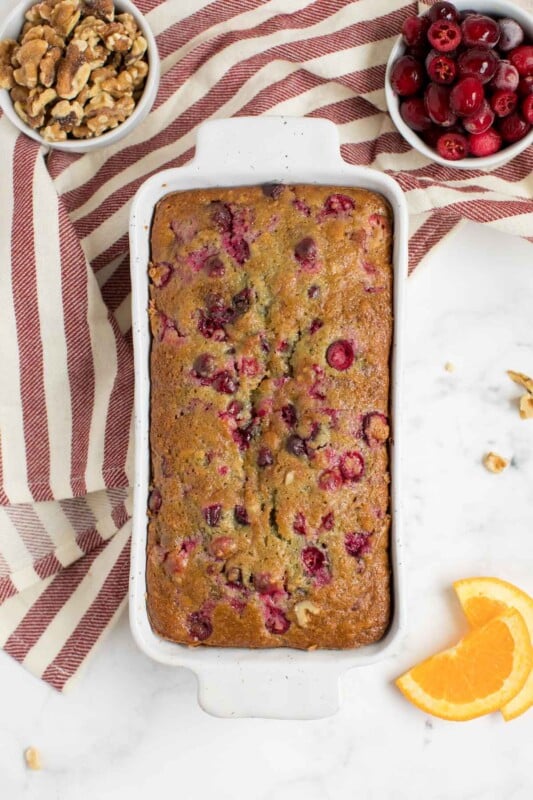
(130, 728)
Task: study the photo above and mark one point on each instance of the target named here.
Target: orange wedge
(488, 667)
(484, 598)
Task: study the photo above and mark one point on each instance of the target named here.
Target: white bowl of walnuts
(77, 75)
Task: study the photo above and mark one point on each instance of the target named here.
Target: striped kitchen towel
(66, 389)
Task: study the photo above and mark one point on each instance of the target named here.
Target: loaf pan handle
(243, 144)
(272, 693)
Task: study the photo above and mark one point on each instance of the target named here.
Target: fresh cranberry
(224, 382)
(480, 121)
(340, 355)
(506, 76)
(222, 546)
(467, 96)
(204, 365)
(337, 204)
(288, 414)
(452, 146)
(513, 128)
(199, 626)
(313, 292)
(357, 544)
(296, 445)
(299, 524)
(440, 67)
(214, 267)
(437, 100)
(527, 108)
(241, 515)
(478, 62)
(212, 514)
(328, 521)
(407, 76)
(522, 58)
(154, 501)
(502, 103)
(330, 480)
(375, 428)
(242, 302)
(313, 559)
(525, 85)
(316, 324)
(161, 274)
(273, 190)
(444, 35)
(484, 144)
(414, 31)
(443, 10)
(482, 30)
(511, 34)
(221, 216)
(432, 135)
(275, 620)
(413, 112)
(265, 457)
(352, 466)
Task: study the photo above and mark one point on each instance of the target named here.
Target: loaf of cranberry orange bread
(271, 319)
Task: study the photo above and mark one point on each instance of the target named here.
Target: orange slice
(484, 598)
(480, 674)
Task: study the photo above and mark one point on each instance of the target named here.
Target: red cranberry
(437, 100)
(212, 514)
(452, 146)
(522, 58)
(513, 128)
(511, 34)
(306, 250)
(265, 584)
(407, 76)
(340, 355)
(352, 466)
(296, 445)
(432, 135)
(444, 35)
(330, 480)
(375, 428)
(154, 501)
(199, 626)
(224, 382)
(357, 544)
(316, 324)
(413, 112)
(313, 292)
(222, 216)
(478, 62)
(525, 85)
(288, 414)
(161, 274)
(313, 559)
(265, 457)
(299, 524)
(214, 267)
(275, 620)
(480, 121)
(242, 302)
(466, 96)
(302, 207)
(273, 190)
(484, 144)
(204, 365)
(414, 31)
(443, 10)
(241, 515)
(328, 521)
(502, 103)
(337, 204)
(527, 108)
(250, 367)
(440, 67)
(482, 30)
(506, 76)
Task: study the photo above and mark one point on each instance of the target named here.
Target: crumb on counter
(495, 463)
(32, 756)
(449, 367)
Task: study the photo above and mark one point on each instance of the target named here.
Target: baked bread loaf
(271, 317)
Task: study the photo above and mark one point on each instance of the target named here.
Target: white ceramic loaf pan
(279, 683)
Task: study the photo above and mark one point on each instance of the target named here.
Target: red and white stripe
(67, 382)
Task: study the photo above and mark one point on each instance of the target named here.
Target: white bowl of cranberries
(459, 83)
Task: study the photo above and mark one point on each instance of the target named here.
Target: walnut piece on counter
(495, 463)
(33, 758)
(80, 53)
(521, 380)
(526, 406)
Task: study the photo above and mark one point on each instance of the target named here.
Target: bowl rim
(110, 137)
(496, 7)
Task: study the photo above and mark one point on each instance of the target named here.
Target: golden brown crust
(271, 320)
